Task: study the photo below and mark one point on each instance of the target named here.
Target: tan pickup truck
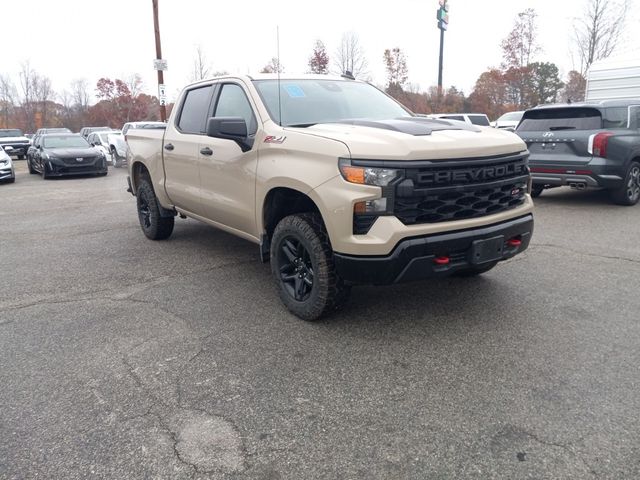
(335, 181)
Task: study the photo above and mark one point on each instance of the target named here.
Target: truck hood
(417, 139)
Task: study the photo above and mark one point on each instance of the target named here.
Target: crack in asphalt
(112, 294)
(566, 447)
(588, 254)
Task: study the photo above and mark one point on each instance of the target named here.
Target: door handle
(206, 151)
(169, 147)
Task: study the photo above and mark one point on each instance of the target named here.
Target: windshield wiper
(301, 125)
(562, 128)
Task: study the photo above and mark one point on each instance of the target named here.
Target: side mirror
(230, 128)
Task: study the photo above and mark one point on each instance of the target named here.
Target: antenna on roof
(278, 70)
(347, 74)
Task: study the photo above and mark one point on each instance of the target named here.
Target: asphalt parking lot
(126, 358)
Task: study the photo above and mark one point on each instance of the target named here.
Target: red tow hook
(514, 242)
(441, 260)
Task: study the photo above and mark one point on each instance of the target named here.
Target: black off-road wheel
(153, 224)
(476, 270)
(303, 267)
(629, 192)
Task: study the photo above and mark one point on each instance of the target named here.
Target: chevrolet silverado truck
(587, 145)
(335, 181)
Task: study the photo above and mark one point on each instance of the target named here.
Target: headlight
(380, 177)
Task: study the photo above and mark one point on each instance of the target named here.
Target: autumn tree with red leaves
(120, 102)
(319, 60)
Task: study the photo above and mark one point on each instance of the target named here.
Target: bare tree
(43, 94)
(350, 56)
(80, 94)
(274, 66)
(598, 31)
(8, 96)
(27, 80)
(201, 65)
(134, 84)
(522, 43)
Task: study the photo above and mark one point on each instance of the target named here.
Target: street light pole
(156, 28)
(440, 61)
(442, 15)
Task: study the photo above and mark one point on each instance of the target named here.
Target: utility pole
(159, 65)
(442, 15)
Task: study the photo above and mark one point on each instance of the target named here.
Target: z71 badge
(272, 139)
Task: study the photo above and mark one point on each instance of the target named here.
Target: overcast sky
(68, 39)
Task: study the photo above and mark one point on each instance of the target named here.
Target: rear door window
(551, 119)
(193, 115)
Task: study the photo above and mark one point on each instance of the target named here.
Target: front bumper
(18, 148)
(6, 173)
(415, 258)
(599, 172)
(57, 167)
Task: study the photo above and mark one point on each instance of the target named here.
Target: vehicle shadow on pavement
(569, 196)
(431, 303)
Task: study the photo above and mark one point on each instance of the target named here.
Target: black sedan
(63, 154)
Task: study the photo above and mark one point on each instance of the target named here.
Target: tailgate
(559, 135)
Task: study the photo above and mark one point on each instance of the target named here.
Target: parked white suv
(479, 119)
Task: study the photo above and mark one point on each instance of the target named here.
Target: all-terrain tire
(153, 224)
(629, 192)
(304, 237)
(115, 159)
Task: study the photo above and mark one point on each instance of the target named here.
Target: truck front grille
(457, 190)
(74, 162)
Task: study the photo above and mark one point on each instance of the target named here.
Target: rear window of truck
(481, 120)
(581, 118)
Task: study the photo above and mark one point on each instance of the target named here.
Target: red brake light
(600, 142)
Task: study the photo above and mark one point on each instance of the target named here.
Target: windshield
(66, 141)
(511, 117)
(55, 130)
(104, 137)
(11, 133)
(307, 102)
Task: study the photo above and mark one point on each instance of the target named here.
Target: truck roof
(594, 104)
(283, 77)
